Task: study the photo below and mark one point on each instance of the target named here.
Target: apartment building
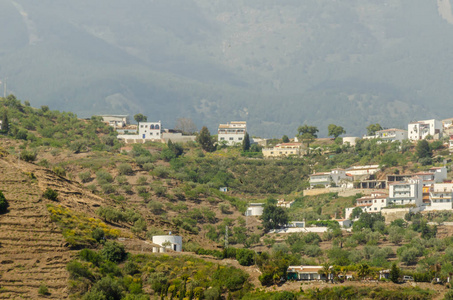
(232, 133)
(421, 129)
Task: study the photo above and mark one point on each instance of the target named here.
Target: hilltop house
(232, 133)
(147, 131)
(421, 129)
(285, 149)
(255, 209)
(336, 177)
(116, 121)
(391, 135)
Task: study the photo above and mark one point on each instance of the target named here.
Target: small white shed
(173, 242)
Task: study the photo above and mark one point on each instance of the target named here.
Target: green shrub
(90, 256)
(159, 190)
(161, 172)
(125, 169)
(98, 234)
(245, 257)
(43, 290)
(60, 171)
(85, 176)
(108, 188)
(50, 194)
(103, 176)
(148, 166)
(113, 252)
(28, 156)
(3, 203)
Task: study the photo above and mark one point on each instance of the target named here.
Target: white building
(408, 192)
(391, 135)
(173, 242)
(308, 273)
(232, 133)
(440, 196)
(147, 131)
(285, 204)
(336, 177)
(421, 129)
(351, 140)
(370, 204)
(363, 170)
(116, 121)
(284, 150)
(255, 209)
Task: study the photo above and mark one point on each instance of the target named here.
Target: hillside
(276, 65)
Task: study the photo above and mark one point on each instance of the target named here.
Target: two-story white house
(407, 192)
(391, 135)
(421, 129)
(146, 131)
(336, 177)
(232, 133)
(370, 204)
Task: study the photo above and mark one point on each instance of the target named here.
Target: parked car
(408, 278)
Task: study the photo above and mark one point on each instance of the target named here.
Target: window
(222, 138)
(146, 126)
(231, 138)
(150, 133)
(141, 126)
(151, 126)
(157, 126)
(240, 139)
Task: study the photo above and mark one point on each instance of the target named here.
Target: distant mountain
(276, 64)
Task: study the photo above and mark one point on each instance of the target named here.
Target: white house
(306, 273)
(351, 140)
(408, 192)
(337, 177)
(284, 150)
(450, 144)
(363, 170)
(232, 133)
(440, 196)
(370, 204)
(116, 121)
(392, 135)
(285, 204)
(255, 209)
(147, 131)
(421, 129)
(434, 175)
(173, 242)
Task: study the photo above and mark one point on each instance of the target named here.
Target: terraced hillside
(33, 251)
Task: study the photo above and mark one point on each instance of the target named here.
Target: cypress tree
(246, 142)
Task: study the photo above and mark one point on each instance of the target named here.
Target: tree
(113, 252)
(307, 134)
(186, 125)
(4, 126)
(3, 204)
(274, 217)
(394, 273)
(140, 118)
(246, 142)
(325, 271)
(356, 212)
(371, 129)
(423, 150)
(335, 130)
(205, 140)
(363, 270)
(285, 139)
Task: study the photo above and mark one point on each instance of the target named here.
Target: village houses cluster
(422, 191)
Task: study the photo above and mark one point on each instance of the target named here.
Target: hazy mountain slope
(275, 64)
